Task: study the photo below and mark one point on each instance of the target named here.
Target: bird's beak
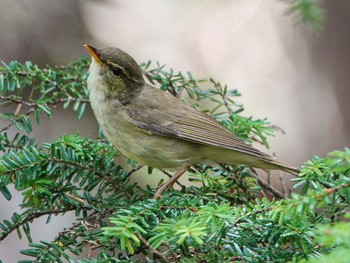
(94, 53)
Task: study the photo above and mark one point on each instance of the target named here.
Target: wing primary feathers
(174, 119)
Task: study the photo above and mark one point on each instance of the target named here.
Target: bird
(155, 128)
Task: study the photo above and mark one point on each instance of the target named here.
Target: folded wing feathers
(204, 130)
(191, 125)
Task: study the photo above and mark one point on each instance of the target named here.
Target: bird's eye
(117, 71)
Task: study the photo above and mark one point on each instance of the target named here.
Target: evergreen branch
(91, 220)
(224, 98)
(8, 145)
(33, 106)
(17, 118)
(49, 103)
(153, 250)
(308, 11)
(220, 218)
(32, 216)
(106, 177)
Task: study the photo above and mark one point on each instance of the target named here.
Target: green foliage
(37, 91)
(308, 11)
(221, 217)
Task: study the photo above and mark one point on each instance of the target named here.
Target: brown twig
(277, 128)
(154, 251)
(177, 182)
(255, 139)
(284, 187)
(226, 103)
(133, 170)
(267, 186)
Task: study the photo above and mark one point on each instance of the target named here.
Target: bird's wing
(174, 119)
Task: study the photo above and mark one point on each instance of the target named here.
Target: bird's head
(114, 70)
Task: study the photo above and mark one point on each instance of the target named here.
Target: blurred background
(286, 72)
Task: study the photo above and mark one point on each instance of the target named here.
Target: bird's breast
(133, 142)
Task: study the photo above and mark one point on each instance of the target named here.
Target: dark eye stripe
(117, 71)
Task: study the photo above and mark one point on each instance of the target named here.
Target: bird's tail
(272, 164)
(251, 157)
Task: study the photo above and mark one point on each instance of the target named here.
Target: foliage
(222, 217)
(308, 11)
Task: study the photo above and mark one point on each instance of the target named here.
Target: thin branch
(133, 170)
(154, 251)
(90, 222)
(284, 187)
(27, 74)
(107, 177)
(177, 182)
(32, 216)
(173, 91)
(226, 103)
(30, 111)
(263, 192)
(276, 128)
(7, 145)
(33, 106)
(267, 186)
(18, 101)
(255, 139)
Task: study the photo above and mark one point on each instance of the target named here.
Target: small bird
(154, 128)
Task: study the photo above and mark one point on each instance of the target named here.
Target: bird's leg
(170, 182)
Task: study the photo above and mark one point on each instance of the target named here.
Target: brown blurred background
(297, 79)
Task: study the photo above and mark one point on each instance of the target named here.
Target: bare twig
(267, 186)
(133, 170)
(155, 251)
(177, 182)
(226, 103)
(277, 128)
(269, 177)
(18, 109)
(173, 91)
(284, 187)
(255, 139)
(173, 179)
